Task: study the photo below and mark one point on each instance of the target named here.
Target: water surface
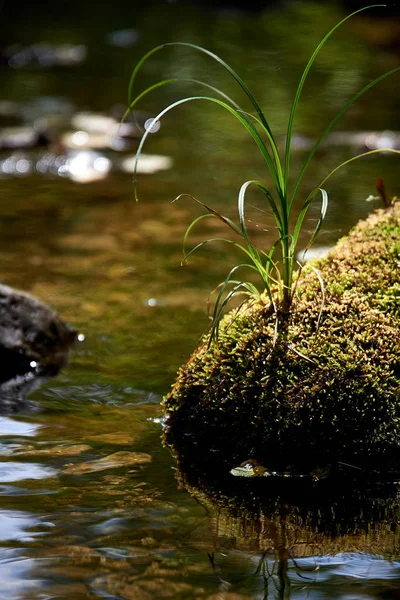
(90, 506)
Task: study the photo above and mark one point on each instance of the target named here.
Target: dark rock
(14, 392)
(33, 339)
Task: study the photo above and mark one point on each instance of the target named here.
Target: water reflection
(290, 537)
(123, 38)
(10, 428)
(44, 55)
(15, 525)
(15, 574)
(18, 471)
(83, 146)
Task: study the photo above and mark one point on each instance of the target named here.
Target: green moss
(388, 300)
(321, 392)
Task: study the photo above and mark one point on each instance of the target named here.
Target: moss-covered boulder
(326, 390)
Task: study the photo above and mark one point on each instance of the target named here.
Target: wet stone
(30, 329)
(34, 344)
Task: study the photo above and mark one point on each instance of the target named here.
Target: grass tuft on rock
(322, 388)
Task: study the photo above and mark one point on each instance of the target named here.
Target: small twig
(380, 186)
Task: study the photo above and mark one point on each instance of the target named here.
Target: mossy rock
(327, 391)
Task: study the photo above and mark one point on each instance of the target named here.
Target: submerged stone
(327, 390)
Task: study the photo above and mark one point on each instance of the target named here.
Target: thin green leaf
(265, 273)
(332, 123)
(301, 84)
(299, 223)
(214, 212)
(235, 76)
(253, 132)
(302, 214)
(227, 299)
(228, 280)
(190, 227)
(180, 80)
(267, 194)
(272, 263)
(346, 162)
(240, 309)
(217, 239)
(242, 220)
(250, 251)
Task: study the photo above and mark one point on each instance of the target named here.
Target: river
(91, 505)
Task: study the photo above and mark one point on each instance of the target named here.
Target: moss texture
(321, 394)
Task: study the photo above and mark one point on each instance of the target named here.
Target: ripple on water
(12, 491)
(102, 394)
(19, 471)
(14, 576)
(10, 427)
(357, 575)
(15, 525)
(349, 564)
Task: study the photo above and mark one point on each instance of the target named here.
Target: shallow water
(90, 506)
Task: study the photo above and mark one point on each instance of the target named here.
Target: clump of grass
(277, 274)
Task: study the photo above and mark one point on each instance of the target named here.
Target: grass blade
(214, 212)
(271, 201)
(235, 76)
(302, 214)
(189, 229)
(301, 84)
(234, 292)
(217, 239)
(249, 127)
(346, 162)
(332, 123)
(299, 223)
(222, 286)
(182, 80)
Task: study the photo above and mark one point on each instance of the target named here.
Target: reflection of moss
(318, 396)
(301, 516)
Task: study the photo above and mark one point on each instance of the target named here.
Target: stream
(91, 503)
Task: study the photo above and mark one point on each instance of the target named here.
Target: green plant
(277, 274)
